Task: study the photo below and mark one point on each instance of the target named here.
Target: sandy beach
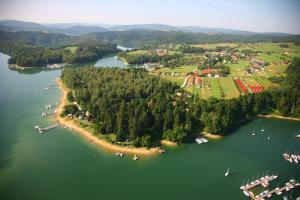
(92, 138)
(124, 60)
(212, 136)
(279, 117)
(168, 143)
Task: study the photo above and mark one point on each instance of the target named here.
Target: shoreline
(92, 138)
(168, 143)
(123, 60)
(274, 116)
(15, 66)
(212, 136)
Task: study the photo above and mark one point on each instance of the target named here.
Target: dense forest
(146, 38)
(28, 55)
(136, 59)
(144, 109)
(39, 38)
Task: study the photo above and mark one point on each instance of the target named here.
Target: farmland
(277, 57)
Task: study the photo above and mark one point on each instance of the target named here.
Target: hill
(142, 37)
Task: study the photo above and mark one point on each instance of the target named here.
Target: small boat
(227, 172)
(246, 193)
(161, 151)
(269, 138)
(201, 140)
(135, 157)
(117, 154)
(297, 136)
(253, 134)
(262, 130)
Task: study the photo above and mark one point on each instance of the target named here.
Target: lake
(61, 164)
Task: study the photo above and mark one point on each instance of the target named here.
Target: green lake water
(61, 164)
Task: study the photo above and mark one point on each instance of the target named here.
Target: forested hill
(28, 55)
(143, 109)
(39, 38)
(138, 38)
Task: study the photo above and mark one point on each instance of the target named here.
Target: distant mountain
(193, 29)
(160, 27)
(83, 28)
(14, 25)
(69, 25)
(77, 30)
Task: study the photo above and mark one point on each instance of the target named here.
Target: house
(258, 64)
(198, 81)
(162, 52)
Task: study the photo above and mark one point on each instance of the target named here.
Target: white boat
(262, 130)
(246, 193)
(201, 140)
(269, 138)
(227, 172)
(135, 157)
(253, 134)
(297, 136)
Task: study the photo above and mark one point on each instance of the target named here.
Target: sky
(251, 15)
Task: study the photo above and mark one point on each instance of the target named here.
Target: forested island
(129, 105)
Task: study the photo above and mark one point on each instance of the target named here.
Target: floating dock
(264, 181)
(42, 130)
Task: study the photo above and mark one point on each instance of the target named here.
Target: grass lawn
(73, 49)
(183, 69)
(238, 69)
(276, 70)
(138, 52)
(213, 46)
(273, 57)
(215, 87)
(229, 87)
(264, 81)
(269, 47)
(175, 79)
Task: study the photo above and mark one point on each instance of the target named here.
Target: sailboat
(227, 172)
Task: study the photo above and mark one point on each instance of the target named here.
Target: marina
(292, 158)
(264, 182)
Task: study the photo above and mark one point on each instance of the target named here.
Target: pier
(42, 130)
(264, 181)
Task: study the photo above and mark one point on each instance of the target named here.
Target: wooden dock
(278, 191)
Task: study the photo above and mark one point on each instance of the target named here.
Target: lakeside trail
(279, 117)
(92, 138)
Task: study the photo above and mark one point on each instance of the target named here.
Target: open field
(238, 69)
(213, 46)
(229, 88)
(183, 69)
(73, 49)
